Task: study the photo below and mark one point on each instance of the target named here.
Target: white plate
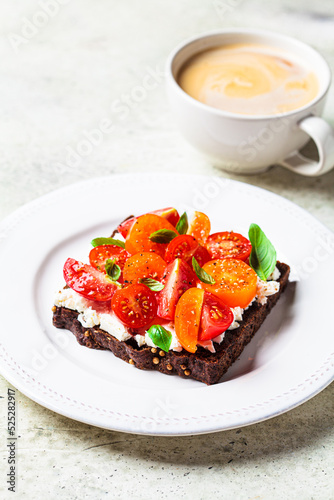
(289, 360)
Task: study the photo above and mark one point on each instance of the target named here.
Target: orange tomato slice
(200, 227)
(143, 265)
(138, 240)
(235, 281)
(188, 318)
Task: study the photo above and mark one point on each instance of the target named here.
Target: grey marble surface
(63, 77)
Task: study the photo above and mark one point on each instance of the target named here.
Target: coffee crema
(249, 79)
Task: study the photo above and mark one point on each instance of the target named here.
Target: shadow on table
(286, 183)
(290, 433)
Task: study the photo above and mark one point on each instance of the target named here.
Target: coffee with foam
(249, 79)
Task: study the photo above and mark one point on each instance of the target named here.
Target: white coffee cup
(250, 144)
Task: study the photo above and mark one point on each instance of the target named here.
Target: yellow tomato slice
(188, 318)
(235, 281)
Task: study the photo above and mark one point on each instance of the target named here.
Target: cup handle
(323, 135)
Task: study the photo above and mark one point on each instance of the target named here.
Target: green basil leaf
(182, 225)
(201, 274)
(163, 236)
(153, 285)
(112, 269)
(96, 242)
(161, 337)
(263, 255)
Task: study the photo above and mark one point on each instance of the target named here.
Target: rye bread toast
(204, 366)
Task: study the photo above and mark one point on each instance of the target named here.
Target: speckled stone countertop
(63, 75)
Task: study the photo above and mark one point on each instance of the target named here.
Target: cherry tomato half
(199, 227)
(88, 281)
(143, 265)
(135, 306)
(100, 254)
(178, 278)
(169, 213)
(202, 255)
(228, 245)
(188, 318)
(138, 241)
(126, 225)
(216, 317)
(236, 282)
(181, 247)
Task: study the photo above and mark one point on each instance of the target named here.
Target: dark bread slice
(204, 366)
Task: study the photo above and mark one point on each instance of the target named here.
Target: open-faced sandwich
(163, 293)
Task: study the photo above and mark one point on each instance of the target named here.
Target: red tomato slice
(202, 255)
(88, 281)
(236, 282)
(178, 278)
(228, 245)
(181, 247)
(137, 241)
(188, 318)
(216, 317)
(135, 306)
(143, 265)
(170, 214)
(199, 227)
(100, 254)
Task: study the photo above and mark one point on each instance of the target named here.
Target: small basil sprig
(160, 336)
(182, 225)
(263, 255)
(163, 236)
(96, 242)
(152, 284)
(112, 269)
(201, 274)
